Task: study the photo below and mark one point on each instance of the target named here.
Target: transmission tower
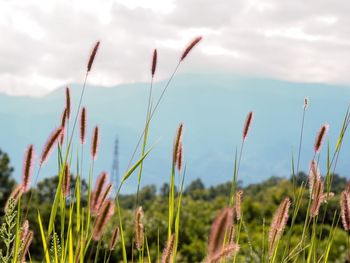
(115, 165)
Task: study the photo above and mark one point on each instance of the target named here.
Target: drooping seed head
(66, 181)
(103, 218)
(238, 202)
(114, 238)
(320, 137)
(83, 125)
(94, 143)
(92, 56)
(154, 62)
(190, 47)
(278, 224)
(247, 124)
(68, 103)
(345, 209)
(139, 228)
(220, 227)
(27, 168)
(169, 249)
(54, 136)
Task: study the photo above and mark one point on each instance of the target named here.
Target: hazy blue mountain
(213, 108)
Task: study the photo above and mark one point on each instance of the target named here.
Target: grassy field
(66, 219)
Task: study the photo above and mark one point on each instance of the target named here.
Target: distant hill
(213, 108)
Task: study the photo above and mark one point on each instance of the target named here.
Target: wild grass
(75, 231)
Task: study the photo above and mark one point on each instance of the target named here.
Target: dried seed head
(247, 124)
(27, 168)
(154, 62)
(83, 125)
(238, 203)
(94, 143)
(68, 103)
(345, 209)
(139, 228)
(168, 251)
(320, 137)
(49, 145)
(221, 225)
(189, 47)
(278, 224)
(66, 181)
(114, 238)
(177, 143)
(92, 56)
(105, 215)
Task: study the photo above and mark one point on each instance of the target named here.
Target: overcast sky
(45, 44)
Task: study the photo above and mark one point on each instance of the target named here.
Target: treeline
(200, 205)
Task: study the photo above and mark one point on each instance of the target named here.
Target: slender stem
(154, 110)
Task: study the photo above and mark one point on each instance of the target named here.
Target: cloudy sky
(45, 44)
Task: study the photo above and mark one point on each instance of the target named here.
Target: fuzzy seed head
(83, 125)
(66, 181)
(238, 203)
(103, 218)
(177, 144)
(169, 249)
(247, 124)
(317, 198)
(54, 136)
(345, 209)
(28, 168)
(227, 252)
(94, 143)
(320, 137)
(154, 62)
(221, 225)
(92, 56)
(99, 192)
(314, 176)
(114, 238)
(139, 228)
(190, 47)
(278, 224)
(68, 103)
(26, 244)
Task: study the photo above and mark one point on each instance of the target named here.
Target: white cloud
(45, 44)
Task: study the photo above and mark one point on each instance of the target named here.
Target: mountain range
(212, 107)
